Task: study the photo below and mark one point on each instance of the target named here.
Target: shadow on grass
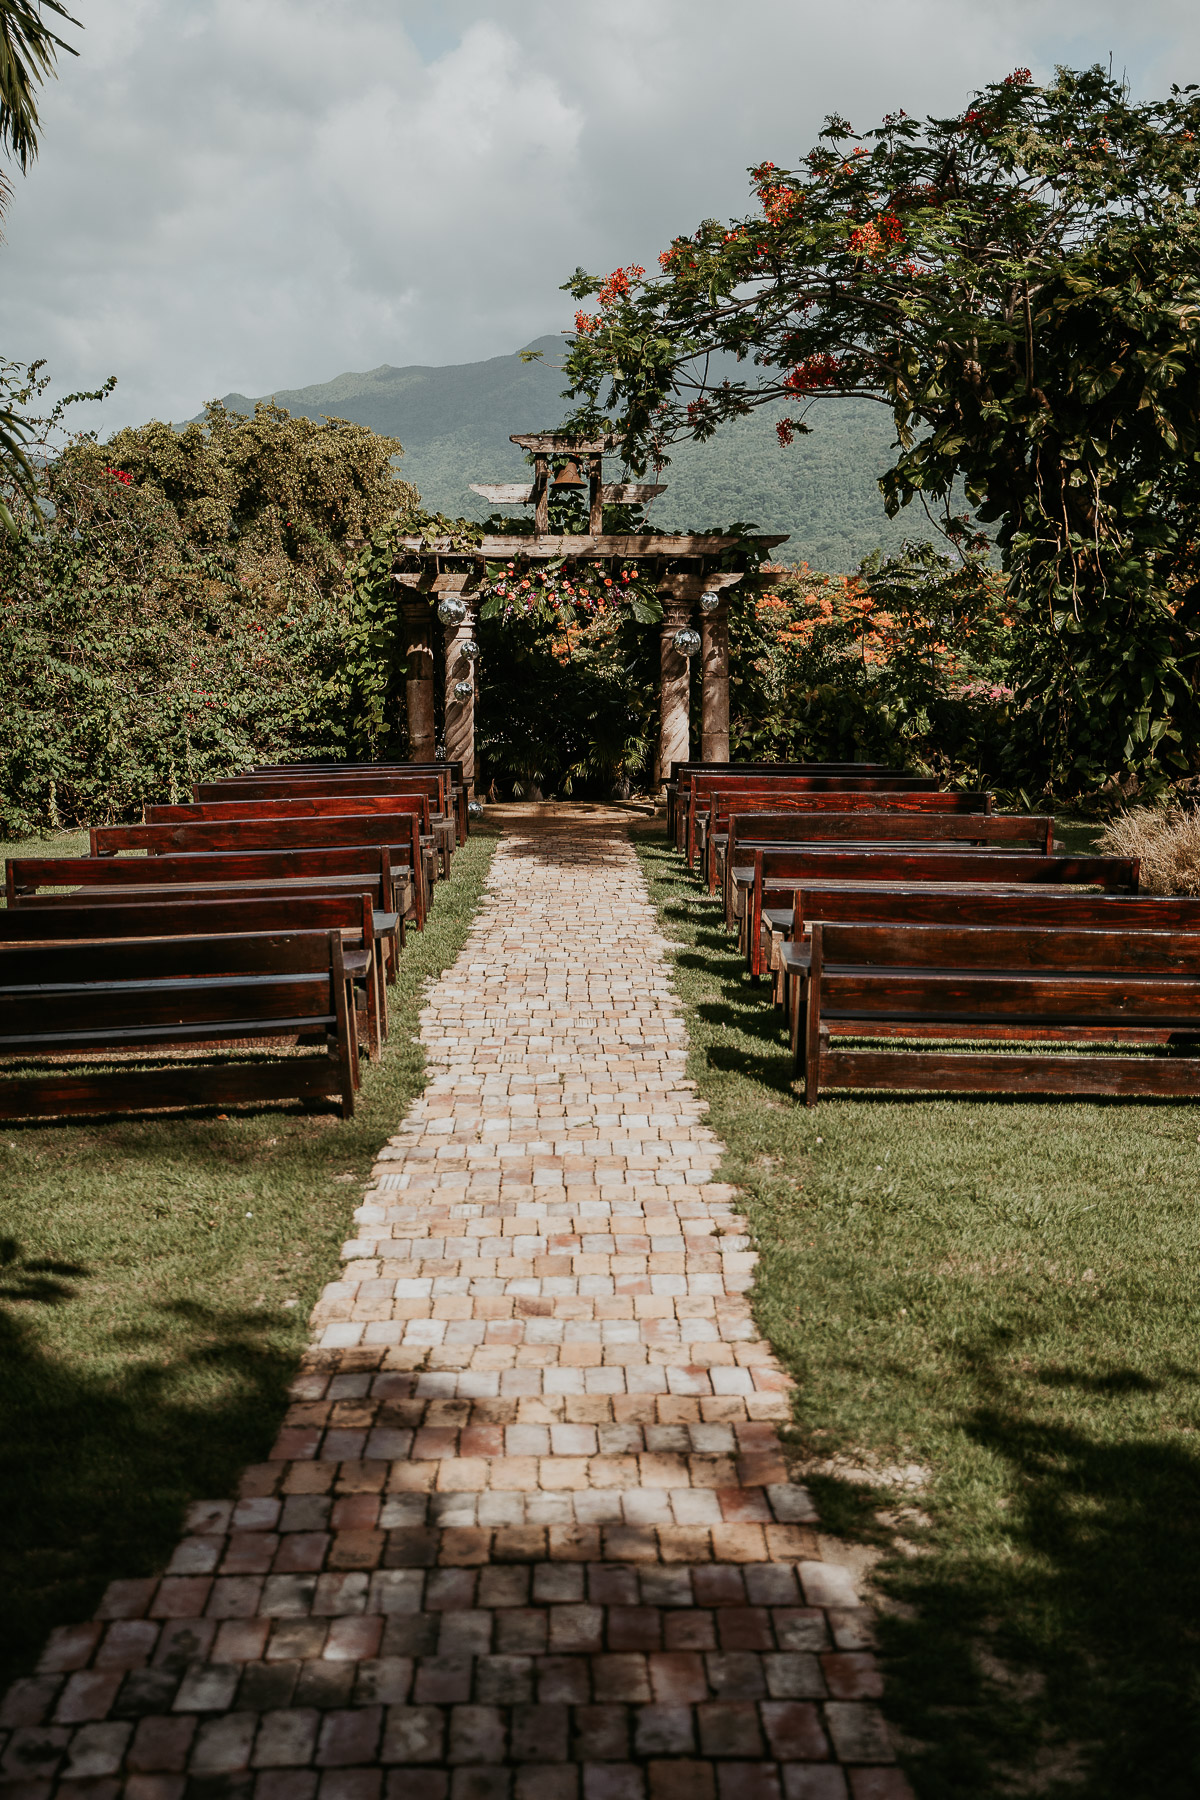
(1067, 1661)
(96, 1471)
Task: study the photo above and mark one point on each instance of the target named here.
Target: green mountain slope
(454, 423)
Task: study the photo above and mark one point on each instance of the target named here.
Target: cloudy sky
(259, 194)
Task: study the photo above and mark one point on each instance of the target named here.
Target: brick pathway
(526, 1533)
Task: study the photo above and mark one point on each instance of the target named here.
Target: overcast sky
(260, 194)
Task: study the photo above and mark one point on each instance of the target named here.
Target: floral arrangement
(565, 591)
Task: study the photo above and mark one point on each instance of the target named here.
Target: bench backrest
(299, 787)
(1066, 949)
(717, 807)
(1034, 830)
(871, 902)
(152, 984)
(203, 918)
(886, 864)
(398, 830)
(999, 867)
(707, 789)
(24, 875)
(311, 806)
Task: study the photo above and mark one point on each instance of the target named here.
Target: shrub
(180, 607)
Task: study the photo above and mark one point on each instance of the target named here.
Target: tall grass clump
(1167, 842)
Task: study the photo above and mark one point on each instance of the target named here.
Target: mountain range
(454, 422)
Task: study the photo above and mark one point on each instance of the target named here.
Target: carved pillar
(460, 709)
(675, 680)
(418, 682)
(714, 662)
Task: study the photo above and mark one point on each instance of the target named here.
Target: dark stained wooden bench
(781, 831)
(706, 788)
(775, 875)
(1025, 985)
(954, 907)
(364, 932)
(312, 806)
(154, 996)
(712, 818)
(399, 833)
(680, 778)
(448, 804)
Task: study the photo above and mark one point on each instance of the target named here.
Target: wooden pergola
(687, 571)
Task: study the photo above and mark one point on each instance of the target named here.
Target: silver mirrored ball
(709, 602)
(687, 641)
(451, 610)
(470, 649)
(463, 690)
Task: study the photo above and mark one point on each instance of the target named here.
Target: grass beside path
(991, 1312)
(156, 1277)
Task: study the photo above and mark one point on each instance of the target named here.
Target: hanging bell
(470, 649)
(463, 690)
(568, 476)
(451, 610)
(687, 641)
(710, 600)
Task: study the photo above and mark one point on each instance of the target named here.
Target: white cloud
(261, 193)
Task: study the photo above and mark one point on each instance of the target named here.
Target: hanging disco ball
(463, 690)
(470, 649)
(687, 641)
(452, 610)
(710, 601)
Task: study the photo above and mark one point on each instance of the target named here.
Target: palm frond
(28, 49)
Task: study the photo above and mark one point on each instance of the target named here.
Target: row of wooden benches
(906, 930)
(272, 906)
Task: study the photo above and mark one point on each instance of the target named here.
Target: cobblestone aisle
(526, 1533)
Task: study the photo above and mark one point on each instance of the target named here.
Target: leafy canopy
(1019, 285)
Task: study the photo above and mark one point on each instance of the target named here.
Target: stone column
(714, 663)
(460, 713)
(417, 615)
(674, 688)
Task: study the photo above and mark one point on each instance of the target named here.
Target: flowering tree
(1019, 285)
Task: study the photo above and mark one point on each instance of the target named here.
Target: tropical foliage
(905, 662)
(1017, 284)
(176, 604)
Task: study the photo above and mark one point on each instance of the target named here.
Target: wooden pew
(448, 803)
(705, 788)
(352, 914)
(104, 880)
(399, 832)
(437, 836)
(775, 875)
(767, 831)
(681, 774)
(713, 814)
(1026, 985)
(955, 906)
(153, 995)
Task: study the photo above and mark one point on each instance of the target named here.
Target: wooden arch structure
(686, 571)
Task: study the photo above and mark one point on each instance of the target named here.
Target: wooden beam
(509, 493)
(543, 548)
(552, 443)
(631, 493)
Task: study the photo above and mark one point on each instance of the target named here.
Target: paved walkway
(526, 1533)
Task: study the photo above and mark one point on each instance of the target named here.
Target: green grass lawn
(155, 1280)
(1004, 1296)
